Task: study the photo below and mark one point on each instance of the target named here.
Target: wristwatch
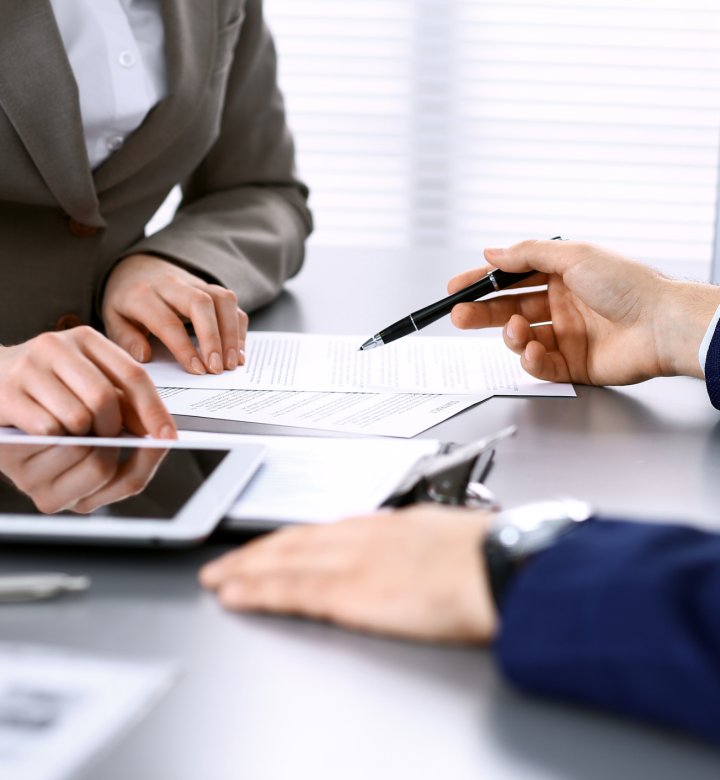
(519, 533)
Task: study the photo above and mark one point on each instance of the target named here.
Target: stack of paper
(323, 382)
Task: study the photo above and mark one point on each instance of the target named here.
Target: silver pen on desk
(36, 586)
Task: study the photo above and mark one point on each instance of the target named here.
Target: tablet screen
(116, 482)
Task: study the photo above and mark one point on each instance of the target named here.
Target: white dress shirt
(705, 345)
(116, 52)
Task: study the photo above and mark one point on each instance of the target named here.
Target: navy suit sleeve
(622, 616)
(712, 369)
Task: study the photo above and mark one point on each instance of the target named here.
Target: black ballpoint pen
(494, 282)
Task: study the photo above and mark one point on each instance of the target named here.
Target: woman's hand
(78, 382)
(148, 295)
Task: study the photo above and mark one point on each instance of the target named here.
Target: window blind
(463, 123)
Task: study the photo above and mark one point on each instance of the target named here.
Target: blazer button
(68, 321)
(80, 230)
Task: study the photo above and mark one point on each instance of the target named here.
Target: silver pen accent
(373, 343)
(34, 587)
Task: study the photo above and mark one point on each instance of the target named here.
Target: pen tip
(371, 343)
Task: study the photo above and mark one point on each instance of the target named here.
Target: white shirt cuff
(705, 343)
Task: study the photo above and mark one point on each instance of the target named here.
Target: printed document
(318, 363)
(382, 414)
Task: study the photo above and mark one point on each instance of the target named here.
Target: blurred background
(462, 124)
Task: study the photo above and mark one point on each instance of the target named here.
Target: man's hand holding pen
(602, 318)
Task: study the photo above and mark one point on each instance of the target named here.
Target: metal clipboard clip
(452, 477)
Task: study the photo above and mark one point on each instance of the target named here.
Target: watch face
(529, 528)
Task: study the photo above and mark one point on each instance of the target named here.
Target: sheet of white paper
(59, 708)
(417, 364)
(318, 480)
(380, 414)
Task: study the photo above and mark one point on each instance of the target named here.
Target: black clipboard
(454, 476)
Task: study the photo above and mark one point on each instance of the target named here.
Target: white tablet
(128, 491)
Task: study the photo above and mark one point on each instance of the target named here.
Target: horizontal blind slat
(464, 122)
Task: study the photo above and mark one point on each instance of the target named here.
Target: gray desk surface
(273, 698)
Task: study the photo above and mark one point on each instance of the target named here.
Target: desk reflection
(77, 478)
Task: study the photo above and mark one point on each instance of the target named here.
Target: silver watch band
(517, 534)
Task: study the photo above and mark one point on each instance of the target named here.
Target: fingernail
(494, 252)
(511, 331)
(241, 357)
(138, 353)
(215, 363)
(231, 359)
(168, 432)
(197, 367)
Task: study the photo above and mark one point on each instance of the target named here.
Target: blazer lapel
(39, 96)
(190, 41)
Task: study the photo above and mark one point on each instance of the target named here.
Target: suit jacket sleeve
(712, 368)
(243, 219)
(623, 616)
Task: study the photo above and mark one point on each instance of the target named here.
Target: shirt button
(127, 59)
(80, 230)
(115, 142)
(68, 321)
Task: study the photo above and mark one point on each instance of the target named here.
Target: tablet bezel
(197, 518)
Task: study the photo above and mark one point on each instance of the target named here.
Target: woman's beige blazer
(221, 133)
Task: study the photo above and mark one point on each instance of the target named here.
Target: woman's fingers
(131, 337)
(66, 383)
(154, 313)
(138, 390)
(78, 382)
(146, 293)
(232, 325)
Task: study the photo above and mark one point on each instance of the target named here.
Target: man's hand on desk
(146, 294)
(415, 574)
(78, 382)
(613, 321)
